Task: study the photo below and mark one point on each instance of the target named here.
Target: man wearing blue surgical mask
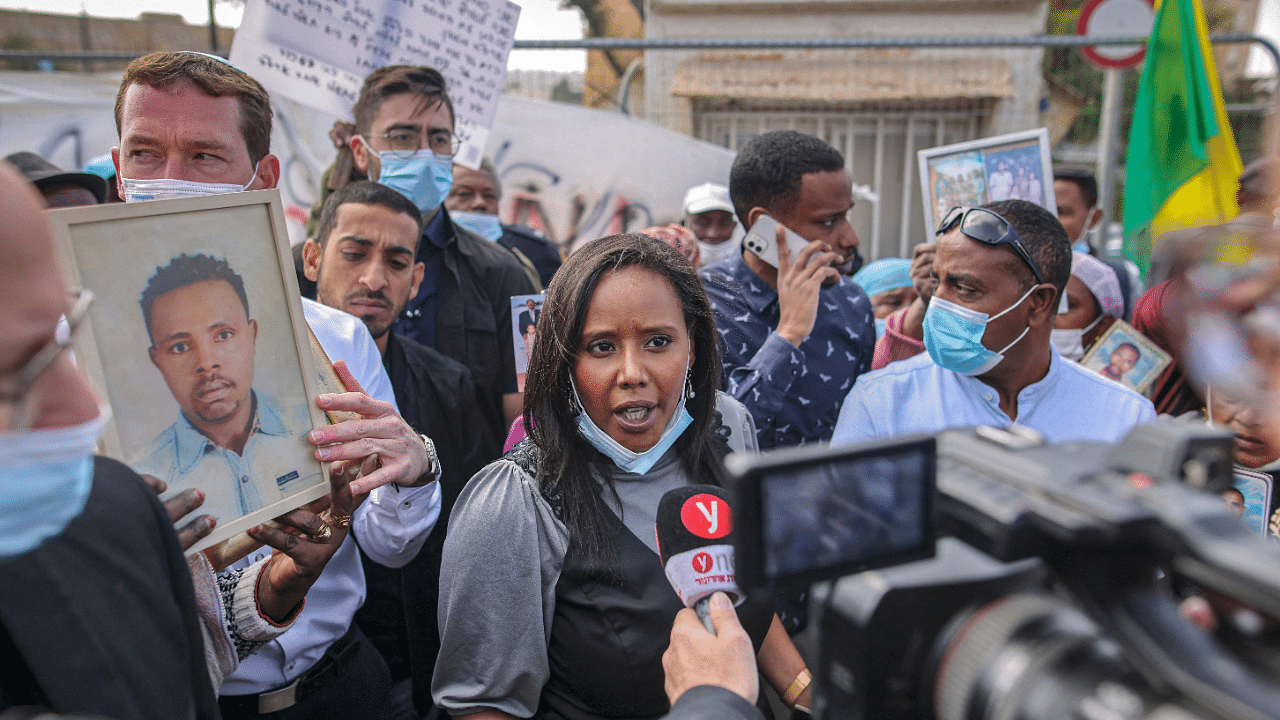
(1001, 271)
(473, 204)
(405, 140)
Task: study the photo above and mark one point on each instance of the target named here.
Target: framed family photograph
(197, 337)
(1017, 165)
(525, 310)
(1125, 355)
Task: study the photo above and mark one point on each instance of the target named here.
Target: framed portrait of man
(525, 311)
(197, 339)
(1004, 167)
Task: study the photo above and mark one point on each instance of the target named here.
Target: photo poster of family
(969, 174)
(1252, 498)
(1125, 355)
(197, 338)
(525, 311)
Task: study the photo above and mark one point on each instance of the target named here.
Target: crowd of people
(442, 575)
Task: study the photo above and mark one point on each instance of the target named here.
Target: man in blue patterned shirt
(796, 336)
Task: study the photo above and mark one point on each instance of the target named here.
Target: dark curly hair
(187, 270)
(769, 169)
(568, 464)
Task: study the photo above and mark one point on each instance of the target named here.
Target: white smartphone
(762, 239)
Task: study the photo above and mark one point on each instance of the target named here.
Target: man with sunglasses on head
(405, 140)
(1001, 271)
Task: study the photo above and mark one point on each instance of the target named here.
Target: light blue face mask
(482, 224)
(423, 177)
(629, 460)
(45, 479)
(953, 336)
(879, 328)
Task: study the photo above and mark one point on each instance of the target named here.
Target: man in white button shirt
(1001, 270)
(191, 124)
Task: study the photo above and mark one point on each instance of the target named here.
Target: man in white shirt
(1001, 270)
(191, 124)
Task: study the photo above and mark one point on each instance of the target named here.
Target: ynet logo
(702, 563)
(706, 516)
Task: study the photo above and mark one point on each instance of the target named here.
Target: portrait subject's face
(1123, 359)
(203, 343)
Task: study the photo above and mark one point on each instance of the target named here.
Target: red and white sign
(1115, 19)
(706, 516)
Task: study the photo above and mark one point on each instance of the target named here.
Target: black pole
(213, 31)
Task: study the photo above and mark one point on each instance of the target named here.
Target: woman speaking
(553, 603)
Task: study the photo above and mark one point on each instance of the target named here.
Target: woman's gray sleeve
(502, 559)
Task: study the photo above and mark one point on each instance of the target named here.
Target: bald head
(35, 297)
(26, 240)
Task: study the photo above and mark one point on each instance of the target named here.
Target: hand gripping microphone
(694, 526)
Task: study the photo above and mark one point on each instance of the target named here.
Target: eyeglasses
(989, 228)
(25, 379)
(405, 143)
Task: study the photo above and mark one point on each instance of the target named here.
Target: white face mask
(709, 253)
(168, 189)
(1070, 341)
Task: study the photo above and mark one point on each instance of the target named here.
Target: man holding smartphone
(796, 334)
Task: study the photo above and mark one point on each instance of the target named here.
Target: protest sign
(318, 52)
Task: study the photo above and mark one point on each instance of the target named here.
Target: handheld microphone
(694, 526)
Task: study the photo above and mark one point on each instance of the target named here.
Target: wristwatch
(433, 471)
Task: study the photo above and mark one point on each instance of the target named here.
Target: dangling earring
(689, 394)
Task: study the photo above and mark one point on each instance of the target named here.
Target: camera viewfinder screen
(831, 518)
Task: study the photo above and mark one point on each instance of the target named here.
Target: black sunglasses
(987, 227)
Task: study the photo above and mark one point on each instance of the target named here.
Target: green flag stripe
(1173, 118)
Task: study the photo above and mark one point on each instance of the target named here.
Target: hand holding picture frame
(198, 339)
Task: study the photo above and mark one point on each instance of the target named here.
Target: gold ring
(342, 521)
(324, 533)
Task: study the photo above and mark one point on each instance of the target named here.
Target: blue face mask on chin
(629, 460)
(482, 224)
(953, 336)
(423, 177)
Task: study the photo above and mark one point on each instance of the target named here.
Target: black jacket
(437, 398)
(474, 288)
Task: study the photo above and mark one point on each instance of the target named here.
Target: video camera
(1000, 577)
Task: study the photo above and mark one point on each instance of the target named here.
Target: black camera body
(1045, 593)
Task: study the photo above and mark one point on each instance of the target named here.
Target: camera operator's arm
(710, 676)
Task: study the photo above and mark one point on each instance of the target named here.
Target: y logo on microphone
(703, 562)
(706, 516)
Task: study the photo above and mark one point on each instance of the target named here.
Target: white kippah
(1101, 281)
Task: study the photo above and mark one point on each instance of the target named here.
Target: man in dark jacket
(462, 306)
(362, 261)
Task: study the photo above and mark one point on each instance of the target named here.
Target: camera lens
(1031, 657)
